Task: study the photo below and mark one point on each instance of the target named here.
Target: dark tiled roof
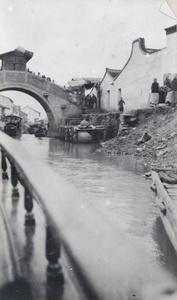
(113, 72)
(171, 29)
(20, 51)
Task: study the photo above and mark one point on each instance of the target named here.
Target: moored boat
(165, 187)
(82, 137)
(12, 125)
(33, 128)
(82, 134)
(41, 131)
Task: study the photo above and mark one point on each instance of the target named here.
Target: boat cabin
(12, 125)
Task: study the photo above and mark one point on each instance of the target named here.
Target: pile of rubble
(153, 138)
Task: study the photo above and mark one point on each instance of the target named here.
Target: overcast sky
(79, 38)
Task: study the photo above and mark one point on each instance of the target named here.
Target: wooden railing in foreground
(104, 261)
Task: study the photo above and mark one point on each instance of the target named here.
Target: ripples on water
(114, 185)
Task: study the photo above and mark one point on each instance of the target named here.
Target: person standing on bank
(154, 100)
(174, 90)
(121, 105)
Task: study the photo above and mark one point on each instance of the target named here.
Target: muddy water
(114, 185)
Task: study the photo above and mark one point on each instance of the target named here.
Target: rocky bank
(159, 125)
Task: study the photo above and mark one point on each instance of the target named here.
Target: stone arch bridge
(57, 102)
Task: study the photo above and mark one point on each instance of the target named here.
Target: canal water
(116, 186)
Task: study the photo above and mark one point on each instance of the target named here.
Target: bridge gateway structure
(58, 103)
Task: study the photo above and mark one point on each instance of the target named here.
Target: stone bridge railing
(102, 263)
(59, 103)
(45, 84)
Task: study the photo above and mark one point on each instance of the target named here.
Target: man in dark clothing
(174, 91)
(154, 97)
(121, 105)
(167, 82)
(155, 86)
(174, 84)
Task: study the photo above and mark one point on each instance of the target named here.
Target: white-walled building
(33, 115)
(105, 85)
(134, 81)
(6, 108)
(6, 105)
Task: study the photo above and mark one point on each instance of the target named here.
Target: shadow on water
(28, 250)
(167, 255)
(14, 210)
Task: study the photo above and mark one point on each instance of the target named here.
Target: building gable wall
(136, 77)
(105, 86)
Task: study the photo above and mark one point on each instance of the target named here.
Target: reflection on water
(115, 186)
(167, 255)
(28, 250)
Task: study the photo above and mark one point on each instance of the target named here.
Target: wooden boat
(82, 134)
(33, 128)
(166, 199)
(12, 125)
(82, 137)
(41, 131)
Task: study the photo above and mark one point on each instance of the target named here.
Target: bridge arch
(57, 102)
(54, 99)
(39, 97)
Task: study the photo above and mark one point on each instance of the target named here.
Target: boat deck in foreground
(166, 198)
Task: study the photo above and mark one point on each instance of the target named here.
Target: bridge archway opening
(25, 97)
(23, 100)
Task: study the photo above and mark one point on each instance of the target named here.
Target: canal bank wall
(106, 125)
(153, 139)
(110, 120)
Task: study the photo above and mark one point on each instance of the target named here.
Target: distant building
(24, 116)
(6, 105)
(134, 81)
(32, 114)
(24, 121)
(16, 110)
(104, 89)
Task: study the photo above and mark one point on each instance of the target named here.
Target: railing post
(55, 276)
(4, 165)
(14, 181)
(29, 217)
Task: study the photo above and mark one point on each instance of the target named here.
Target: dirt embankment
(159, 127)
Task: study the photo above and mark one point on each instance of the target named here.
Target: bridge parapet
(40, 82)
(58, 103)
(98, 259)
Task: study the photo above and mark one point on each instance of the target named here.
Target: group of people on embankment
(159, 94)
(164, 94)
